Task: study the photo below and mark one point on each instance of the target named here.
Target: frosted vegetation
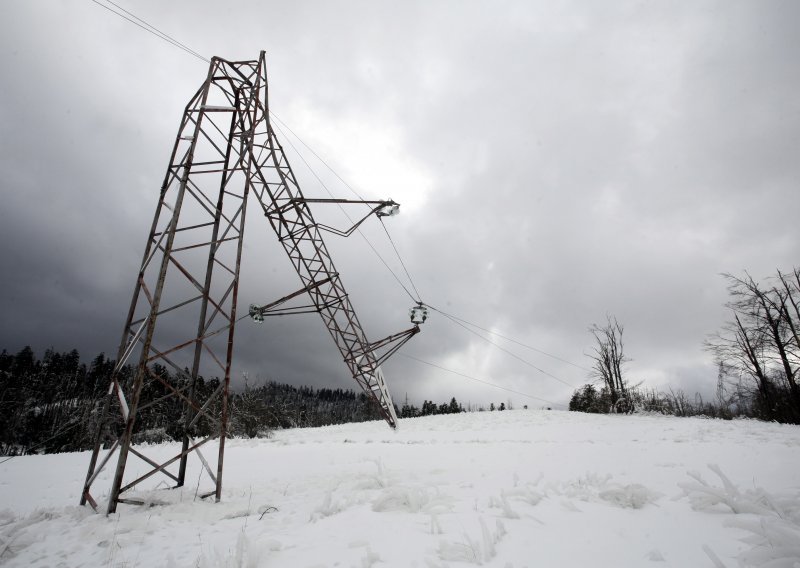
(507, 489)
(757, 352)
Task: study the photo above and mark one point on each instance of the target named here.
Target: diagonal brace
(258, 312)
(396, 341)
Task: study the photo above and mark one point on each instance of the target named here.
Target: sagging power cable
(520, 343)
(400, 258)
(501, 348)
(464, 375)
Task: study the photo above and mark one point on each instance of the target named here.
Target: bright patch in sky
(370, 155)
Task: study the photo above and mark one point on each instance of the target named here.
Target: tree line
(757, 353)
(54, 403)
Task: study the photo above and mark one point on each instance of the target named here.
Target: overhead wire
(480, 380)
(501, 348)
(400, 258)
(520, 343)
(150, 28)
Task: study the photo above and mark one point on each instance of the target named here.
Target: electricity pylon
(183, 313)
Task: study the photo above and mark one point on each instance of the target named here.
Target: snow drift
(507, 489)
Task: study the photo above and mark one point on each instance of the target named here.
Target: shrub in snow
(473, 550)
(411, 500)
(370, 559)
(246, 554)
(406, 499)
(594, 487)
(775, 532)
(633, 496)
(774, 543)
(703, 496)
(526, 494)
(328, 507)
(502, 503)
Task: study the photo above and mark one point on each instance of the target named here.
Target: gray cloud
(559, 162)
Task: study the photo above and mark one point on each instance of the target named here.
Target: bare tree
(761, 342)
(608, 358)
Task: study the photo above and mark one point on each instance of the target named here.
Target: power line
(521, 344)
(503, 349)
(159, 32)
(149, 28)
(403, 264)
(480, 380)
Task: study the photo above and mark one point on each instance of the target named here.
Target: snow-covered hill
(507, 489)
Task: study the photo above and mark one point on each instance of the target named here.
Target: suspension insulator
(256, 314)
(419, 314)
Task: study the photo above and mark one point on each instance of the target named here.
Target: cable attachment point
(256, 313)
(389, 209)
(418, 313)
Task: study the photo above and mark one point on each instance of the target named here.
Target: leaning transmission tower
(184, 311)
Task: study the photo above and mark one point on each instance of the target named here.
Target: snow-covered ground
(507, 489)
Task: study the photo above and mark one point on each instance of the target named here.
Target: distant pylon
(183, 313)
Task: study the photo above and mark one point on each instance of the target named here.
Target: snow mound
(595, 487)
(412, 500)
(633, 496)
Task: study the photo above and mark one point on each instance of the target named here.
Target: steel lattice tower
(183, 312)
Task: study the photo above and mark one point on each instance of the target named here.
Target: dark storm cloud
(559, 161)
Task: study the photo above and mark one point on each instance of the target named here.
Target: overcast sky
(556, 162)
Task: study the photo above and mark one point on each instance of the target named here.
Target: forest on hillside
(53, 404)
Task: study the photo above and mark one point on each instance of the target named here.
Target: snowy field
(507, 489)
